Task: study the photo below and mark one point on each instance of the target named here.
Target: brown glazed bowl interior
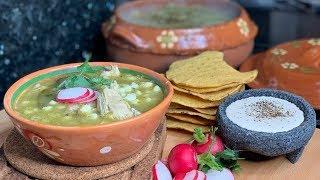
(234, 36)
(292, 66)
(91, 145)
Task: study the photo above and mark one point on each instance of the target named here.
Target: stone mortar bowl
(289, 143)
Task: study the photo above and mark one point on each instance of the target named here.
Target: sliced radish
(72, 94)
(94, 97)
(91, 95)
(225, 174)
(192, 175)
(161, 172)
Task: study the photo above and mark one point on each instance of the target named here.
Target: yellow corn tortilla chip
(192, 101)
(208, 111)
(174, 124)
(208, 90)
(207, 70)
(177, 106)
(188, 112)
(212, 96)
(199, 120)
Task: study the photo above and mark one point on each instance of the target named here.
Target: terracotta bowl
(92, 145)
(156, 48)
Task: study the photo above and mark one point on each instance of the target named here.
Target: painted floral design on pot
(279, 52)
(243, 26)
(167, 39)
(288, 65)
(314, 42)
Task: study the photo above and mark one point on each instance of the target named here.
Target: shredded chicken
(114, 72)
(101, 104)
(119, 108)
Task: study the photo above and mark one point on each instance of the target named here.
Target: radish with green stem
(202, 142)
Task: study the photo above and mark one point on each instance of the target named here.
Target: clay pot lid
(292, 66)
(237, 30)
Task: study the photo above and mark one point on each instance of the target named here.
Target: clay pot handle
(129, 36)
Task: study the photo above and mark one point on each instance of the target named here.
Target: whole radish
(192, 175)
(161, 172)
(203, 142)
(225, 174)
(182, 159)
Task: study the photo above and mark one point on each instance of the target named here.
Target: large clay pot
(145, 46)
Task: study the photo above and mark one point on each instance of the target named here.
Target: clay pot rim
(127, 5)
(13, 114)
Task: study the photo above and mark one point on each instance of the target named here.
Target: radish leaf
(207, 161)
(198, 135)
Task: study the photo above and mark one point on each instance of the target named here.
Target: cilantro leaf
(207, 161)
(229, 159)
(227, 154)
(85, 67)
(198, 135)
(75, 81)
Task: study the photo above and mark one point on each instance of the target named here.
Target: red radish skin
(91, 99)
(179, 176)
(218, 146)
(182, 159)
(192, 175)
(160, 172)
(71, 94)
(225, 174)
(91, 95)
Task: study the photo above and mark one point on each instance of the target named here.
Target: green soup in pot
(138, 93)
(178, 16)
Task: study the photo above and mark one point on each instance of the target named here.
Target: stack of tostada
(201, 83)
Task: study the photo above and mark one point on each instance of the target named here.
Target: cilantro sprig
(85, 76)
(228, 159)
(198, 135)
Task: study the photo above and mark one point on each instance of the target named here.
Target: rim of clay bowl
(304, 106)
(152, 74)
(128, 5)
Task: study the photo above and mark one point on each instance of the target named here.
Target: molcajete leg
(294, 156)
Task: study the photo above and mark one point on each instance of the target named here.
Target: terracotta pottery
(292, 66)
(92, 145)
(156, 48)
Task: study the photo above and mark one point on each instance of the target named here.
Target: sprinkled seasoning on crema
(265, 114)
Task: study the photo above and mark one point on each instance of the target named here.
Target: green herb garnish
(85, 76)
(198, 135)
(229, 159)
(207, 161)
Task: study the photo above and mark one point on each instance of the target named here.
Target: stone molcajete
(290, 143)
(154, 34)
